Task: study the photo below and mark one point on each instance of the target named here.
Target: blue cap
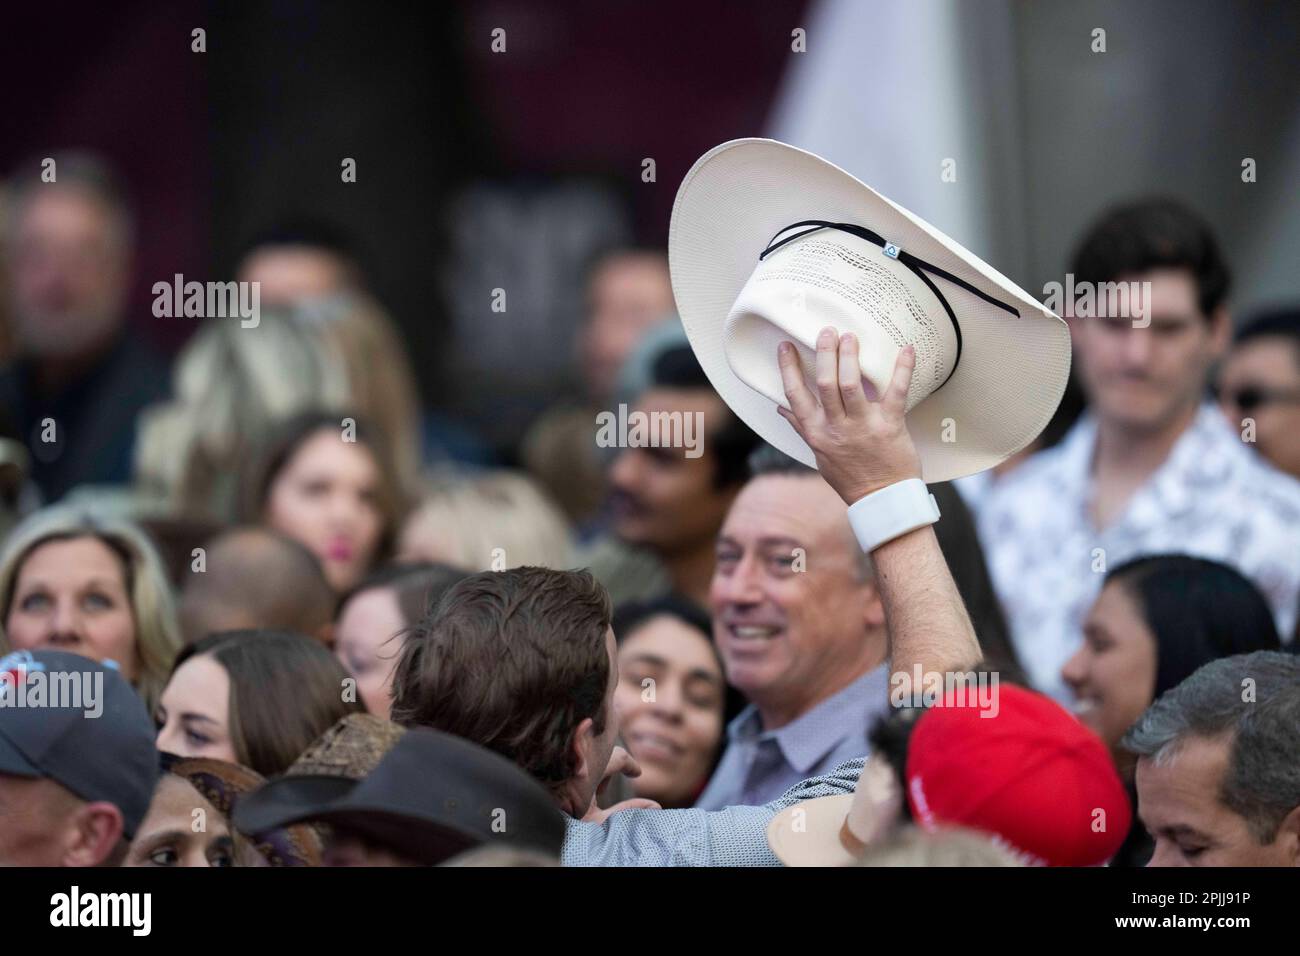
(79, 723)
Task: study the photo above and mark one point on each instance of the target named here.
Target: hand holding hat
(769, 244)
(861, 446)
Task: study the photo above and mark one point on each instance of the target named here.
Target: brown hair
(285, 441)
(285, 691)
(513, 661)
(417, 584)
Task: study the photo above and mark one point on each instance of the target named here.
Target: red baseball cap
(1025, 771)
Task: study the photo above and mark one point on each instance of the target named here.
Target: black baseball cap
(79, 723)
(431, 796)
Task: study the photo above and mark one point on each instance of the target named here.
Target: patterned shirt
(1213, 497)
(760, 765)
(736, 836)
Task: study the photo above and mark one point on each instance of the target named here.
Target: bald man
(257, 578)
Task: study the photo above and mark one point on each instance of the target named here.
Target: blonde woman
(75, 580)
(486, 521)
(234, 385)
(380, 377)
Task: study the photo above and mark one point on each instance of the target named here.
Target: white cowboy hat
(771, 243)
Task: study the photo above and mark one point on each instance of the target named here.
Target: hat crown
(350, 749)
(833, 278)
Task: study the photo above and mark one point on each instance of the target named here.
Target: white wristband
(891, 512)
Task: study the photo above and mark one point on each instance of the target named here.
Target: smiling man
(1152, 467)
(801, 631)
(516, 660)
(1217, 776)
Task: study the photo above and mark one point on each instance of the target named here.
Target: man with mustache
(1152, 467)
(668, 501)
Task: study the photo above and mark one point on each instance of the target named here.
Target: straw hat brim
(808, 833)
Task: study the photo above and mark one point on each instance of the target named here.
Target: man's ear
(326, 634)
(1220, 331)
(1290, 832)
(581, 745)
(575, 794)
(95, 829)
(873, 612)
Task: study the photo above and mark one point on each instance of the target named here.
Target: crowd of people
(261, 609)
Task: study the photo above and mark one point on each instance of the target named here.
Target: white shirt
(1213, 497)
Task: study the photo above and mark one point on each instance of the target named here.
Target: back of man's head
(255, 578)
(516, 661)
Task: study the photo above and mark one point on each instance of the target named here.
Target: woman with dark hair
(326, 480)
(256, 698)
(672, 697)
(1156, 620)
(373, 618)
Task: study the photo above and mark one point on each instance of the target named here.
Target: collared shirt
(736, 836)
(1212, 497)
(759, 765)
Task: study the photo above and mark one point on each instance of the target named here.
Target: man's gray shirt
(759, 765)
(736, 836)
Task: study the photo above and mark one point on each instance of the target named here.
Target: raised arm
(862, 447)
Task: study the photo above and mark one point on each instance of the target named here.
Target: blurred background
(456, 214)
(478, 170)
